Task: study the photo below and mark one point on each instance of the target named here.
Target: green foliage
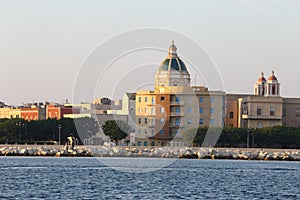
(115, 129)
(46, 130)
(269, 137)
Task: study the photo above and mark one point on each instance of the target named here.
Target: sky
(43, 44)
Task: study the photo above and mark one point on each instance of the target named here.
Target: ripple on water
(69, 178)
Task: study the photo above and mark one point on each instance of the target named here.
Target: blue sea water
(146, 178)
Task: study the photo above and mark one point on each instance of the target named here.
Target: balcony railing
(150, 103)
(151, 125)
(179, 114)
(151, 114)
(246, 116)
(172, 125)
(176, 103)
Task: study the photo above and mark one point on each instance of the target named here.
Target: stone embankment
(155, 152)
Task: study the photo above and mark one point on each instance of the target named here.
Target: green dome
(173, 64)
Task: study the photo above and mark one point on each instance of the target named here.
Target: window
(189, 99)
(162, 120)
(272, 110)
(189, 121)
(140, 99)
(177, 122)
(297, 112)
(146, 99)
(152, 111)
(152, 143)
(162, 98)
(201, 99)
(140, 120)
(139, 110)
(152, 132)
(152, 122)
(201, 121)
(146, 120)
(162, 109)
(212, 110)
(189, 110)
(258, 111)
(231, 115)
(139, 131)
(212, 99)
(212, 121)
(177, 110)
(152, 100)
(146, 131)
(162, 131)
(139, 143)
(201, 110)
(177, 99)
(145, 143)
(146, 110)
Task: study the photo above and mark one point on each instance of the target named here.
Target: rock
(294, 157)
(57, 154)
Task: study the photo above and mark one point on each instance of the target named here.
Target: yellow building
(10, 113)
(166, 114)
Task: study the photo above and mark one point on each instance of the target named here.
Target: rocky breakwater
(155, 152)
(42, 151)
(247, 154)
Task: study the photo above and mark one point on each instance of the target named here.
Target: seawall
(155, 152)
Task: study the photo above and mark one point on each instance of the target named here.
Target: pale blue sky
(43, 43)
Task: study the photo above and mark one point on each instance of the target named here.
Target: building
(167, 114)
(59, 111)
(10, 112)
(264, 108)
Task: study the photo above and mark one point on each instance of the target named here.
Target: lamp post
(19, 124)
(248, 131)
(59, 128)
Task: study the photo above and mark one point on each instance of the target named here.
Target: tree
(115, 129)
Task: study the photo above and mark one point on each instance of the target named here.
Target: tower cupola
(172, 71)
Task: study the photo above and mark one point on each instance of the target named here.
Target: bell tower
(260, 85)
(273, 86)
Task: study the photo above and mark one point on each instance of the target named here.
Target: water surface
(143, 178)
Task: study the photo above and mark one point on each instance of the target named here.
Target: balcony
(176, 103)
(151, 125)
(150, 104)
(276, 117)
(151, 114)
(176, 114)
(173, 125)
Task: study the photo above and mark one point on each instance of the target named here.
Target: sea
(146, 178)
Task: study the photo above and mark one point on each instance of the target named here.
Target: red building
(33, 113)
(58, 112)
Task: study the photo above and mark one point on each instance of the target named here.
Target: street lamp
(59, 127)
(19, 124)
(248, 131)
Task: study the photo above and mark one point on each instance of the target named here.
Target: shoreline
(151, 152)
